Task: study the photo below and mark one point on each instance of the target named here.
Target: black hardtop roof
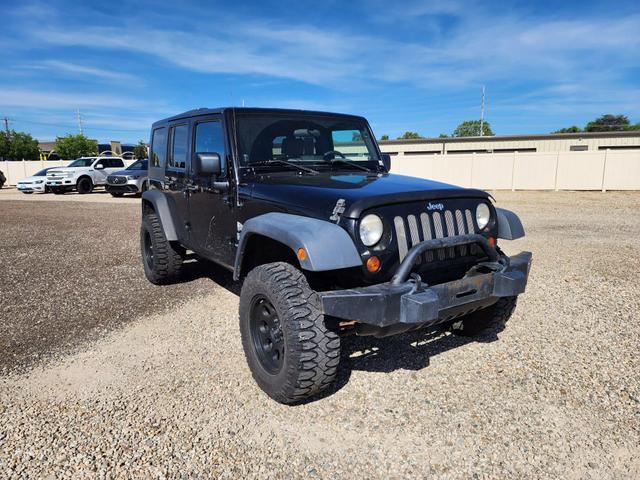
(239, 110)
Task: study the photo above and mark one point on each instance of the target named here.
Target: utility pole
(79, 122)
(482, 113)
(6, 126)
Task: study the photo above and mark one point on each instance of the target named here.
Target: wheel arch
(154, 201)
(327, 246)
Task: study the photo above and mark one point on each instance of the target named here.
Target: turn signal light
(373, 264)
(492, 241)
(302, 254)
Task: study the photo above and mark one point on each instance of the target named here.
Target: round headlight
(371, 230)
(483, 214)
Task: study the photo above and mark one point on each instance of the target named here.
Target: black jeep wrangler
(302, 207)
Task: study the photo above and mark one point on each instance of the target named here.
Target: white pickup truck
(83, 174)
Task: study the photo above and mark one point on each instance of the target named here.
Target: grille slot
(450, 223)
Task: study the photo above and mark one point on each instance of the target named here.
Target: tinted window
(116, 163)
(104, 162)
(139, 165)
(159, 147)
(178, 157)
(82, 162)
(209, 139)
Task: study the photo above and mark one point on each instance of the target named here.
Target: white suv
(83, 174)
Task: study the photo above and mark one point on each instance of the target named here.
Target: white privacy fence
(602, 170)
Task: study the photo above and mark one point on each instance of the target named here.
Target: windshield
(41, 173)
(312, 140)
(82, 162)
(139, 165)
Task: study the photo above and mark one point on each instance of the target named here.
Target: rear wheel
(291, 353)
(495, 316)
(84, 185)
(161, 259)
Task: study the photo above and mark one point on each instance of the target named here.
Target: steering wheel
(334, 153)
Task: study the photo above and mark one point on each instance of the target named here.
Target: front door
(211, 212)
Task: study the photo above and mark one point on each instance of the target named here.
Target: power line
(79, 121)
(482, 112)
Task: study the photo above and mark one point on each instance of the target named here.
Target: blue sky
(414, 65)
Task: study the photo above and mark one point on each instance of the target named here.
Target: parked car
(302, 207)
(3, 179)
(83, 174)
(35, 183)
(132, 179)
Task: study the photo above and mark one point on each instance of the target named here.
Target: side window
(117, 163)
(210, 139)
(159, 147)
(103, 162)
(178, 158)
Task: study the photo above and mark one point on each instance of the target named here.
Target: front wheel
(495, 316)
(291, 353)
(84, 185)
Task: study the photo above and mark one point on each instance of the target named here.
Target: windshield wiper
(347, 162)
(284, 162)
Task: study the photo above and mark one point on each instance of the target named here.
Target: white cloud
(76, 70)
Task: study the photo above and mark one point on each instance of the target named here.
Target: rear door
(175, 176)
(211, 212)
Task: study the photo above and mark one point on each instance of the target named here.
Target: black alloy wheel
(148, 250)
(267, 335)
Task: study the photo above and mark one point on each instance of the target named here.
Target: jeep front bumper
(406, 303)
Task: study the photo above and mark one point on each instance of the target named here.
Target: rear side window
(116, 163)
(159, 147)
(178, 158)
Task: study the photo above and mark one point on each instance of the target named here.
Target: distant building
(560, 142)
(47, 148)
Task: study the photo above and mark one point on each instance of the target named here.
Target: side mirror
(207, 164)
(386, 161)
(99, 166)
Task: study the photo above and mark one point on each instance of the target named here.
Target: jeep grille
(428, 225)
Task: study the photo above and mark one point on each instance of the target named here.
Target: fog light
(373, 264)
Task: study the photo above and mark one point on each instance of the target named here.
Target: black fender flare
(327, 246)
(509, 225)
(161, 207)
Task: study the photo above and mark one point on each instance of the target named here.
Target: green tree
(74, 146)
(140, 150)
(471, 128)
(18, 146)
(443, 135)
(384, 137)
(410, 135)
(572, 129)
(608, 123)
(4, 145)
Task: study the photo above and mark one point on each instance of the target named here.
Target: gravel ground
(168, 394)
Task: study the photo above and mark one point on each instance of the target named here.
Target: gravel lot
(127, 379)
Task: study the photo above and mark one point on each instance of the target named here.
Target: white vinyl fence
(602, 170)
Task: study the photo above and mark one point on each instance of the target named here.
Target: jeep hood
(317, 195)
